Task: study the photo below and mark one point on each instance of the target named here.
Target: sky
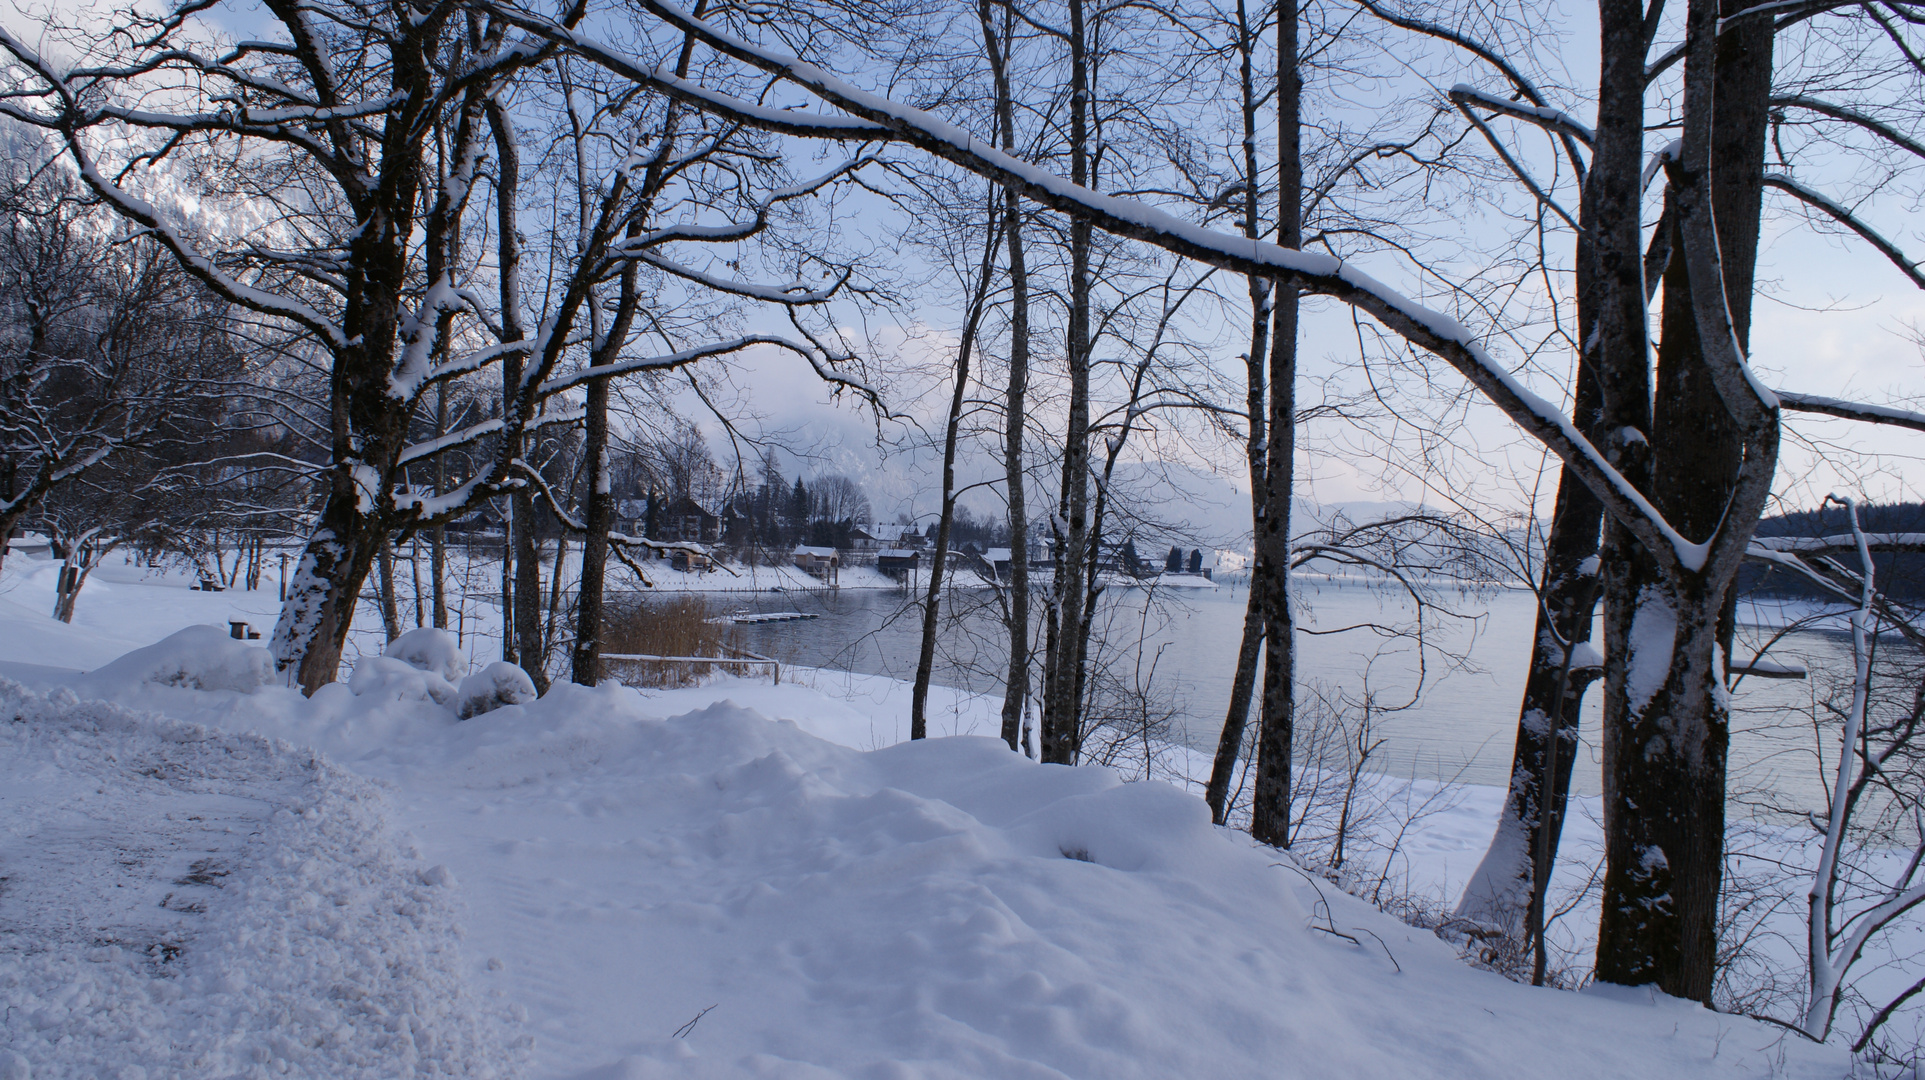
(1833, 318)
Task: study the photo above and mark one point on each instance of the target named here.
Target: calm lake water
(1450, 703)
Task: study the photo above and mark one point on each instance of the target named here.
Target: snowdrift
(713, 894)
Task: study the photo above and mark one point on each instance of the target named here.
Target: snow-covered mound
(177, 901)
(717, 894)
(197, 658)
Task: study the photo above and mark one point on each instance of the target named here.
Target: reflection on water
(1461, 724)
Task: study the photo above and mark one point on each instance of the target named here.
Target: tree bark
(1511, 883)
(522, 577)
(1015, 403)
(390, 607)
(438, 537)
(1243, 683)
(1062, 703)
(1270, 578)
(1667, 720)
(952, 430)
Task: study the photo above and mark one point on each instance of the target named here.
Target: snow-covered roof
(897, 553)
(996, 555)
(818, 552)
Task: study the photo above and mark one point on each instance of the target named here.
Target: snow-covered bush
(431, 650)
(500, 683)
(385, 676)
(197, 658)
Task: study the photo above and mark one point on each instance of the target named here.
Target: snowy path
(175, 901)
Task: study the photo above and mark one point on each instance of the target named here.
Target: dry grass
(670, 625)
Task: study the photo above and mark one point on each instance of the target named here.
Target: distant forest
(1900, 575)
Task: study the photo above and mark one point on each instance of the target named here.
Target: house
(898, 563)
(906, 536)
(998, 560)
(876, 536)
(686, 521)
(823, 562)
(483, 521)
(631, 516)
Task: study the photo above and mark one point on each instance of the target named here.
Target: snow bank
(197, 658)
(934, 909)
(183, 902)
(711, 894)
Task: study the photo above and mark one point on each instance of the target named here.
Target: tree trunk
(414, 570)
(1243, 684)
(1015, 403)
(438, 538)
(1508, 889)
(932, 602)
(1062, 716)
(548, 634)
(1667, 719)
(600, 516)
(1016, 682)
(586, 656)
(313, 625)
(521, 592)
(508, 588)
(1511, 880)
(1270, 579)
(384, 588)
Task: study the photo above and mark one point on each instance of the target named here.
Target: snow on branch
(1845, 217)
(1771, 6)
(70, 124)
(1517, 168)
(1852, 410)
(1430, 330)
(1831, 545)
(662, 363)
(714, 102)
(1550, 119)
(793, 294)
(1851, 116)
(476, 359)
(742, 230)
(458, 437)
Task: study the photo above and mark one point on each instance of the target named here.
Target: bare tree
(106, 349)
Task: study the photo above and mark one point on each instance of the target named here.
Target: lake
(1453, 716)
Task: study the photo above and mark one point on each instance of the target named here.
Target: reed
(670, 625)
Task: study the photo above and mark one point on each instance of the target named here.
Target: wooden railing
(741, 657)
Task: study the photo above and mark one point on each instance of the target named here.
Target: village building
(898, 563)
(686, 521)
(631, 517)
(823, 562)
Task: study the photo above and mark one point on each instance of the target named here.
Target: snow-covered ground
(731, 880)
